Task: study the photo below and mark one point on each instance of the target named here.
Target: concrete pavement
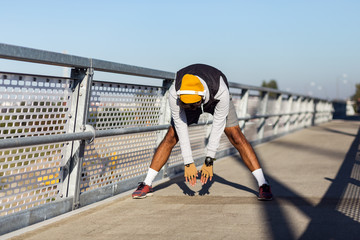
(314, 174)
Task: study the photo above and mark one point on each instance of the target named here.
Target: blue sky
(308, 47)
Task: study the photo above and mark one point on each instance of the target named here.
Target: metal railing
(68, 142)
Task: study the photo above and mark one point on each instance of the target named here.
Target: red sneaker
(265, 193)
(142, 191)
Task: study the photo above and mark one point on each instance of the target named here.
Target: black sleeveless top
(210, 75)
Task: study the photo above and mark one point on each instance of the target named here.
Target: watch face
(209, 161)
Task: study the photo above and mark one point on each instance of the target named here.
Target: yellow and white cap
(191, 89)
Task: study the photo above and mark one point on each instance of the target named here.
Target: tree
(356, 98)
(271, 84)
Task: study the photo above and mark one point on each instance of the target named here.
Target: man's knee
(171, 137)
(235, 135)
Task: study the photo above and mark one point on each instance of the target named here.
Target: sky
(309, 47)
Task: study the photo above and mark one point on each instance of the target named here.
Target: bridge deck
(315, 177)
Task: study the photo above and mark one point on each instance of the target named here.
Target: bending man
(201, 88)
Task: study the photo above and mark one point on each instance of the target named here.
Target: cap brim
(187, 98)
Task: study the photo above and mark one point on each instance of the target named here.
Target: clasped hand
(207, 170)
(190, 172)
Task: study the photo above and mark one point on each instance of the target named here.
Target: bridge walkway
(314, 174)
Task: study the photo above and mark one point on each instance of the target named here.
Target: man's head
(191, 93)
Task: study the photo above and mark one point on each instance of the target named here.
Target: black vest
(210, 75)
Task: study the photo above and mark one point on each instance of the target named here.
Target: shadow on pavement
(337, 214)
(205, 190)
(336, 131)
(348, 118)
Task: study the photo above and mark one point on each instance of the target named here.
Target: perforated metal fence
(78, 140)
(32, 106)
(112, 159)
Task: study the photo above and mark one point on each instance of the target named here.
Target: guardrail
(69, 142)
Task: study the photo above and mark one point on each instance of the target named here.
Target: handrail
(271, 90)
(260, 89)
(59, 59)
(86, 135)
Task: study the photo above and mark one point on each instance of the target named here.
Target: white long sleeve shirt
(218, 126)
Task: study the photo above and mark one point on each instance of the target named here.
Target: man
(201, 88)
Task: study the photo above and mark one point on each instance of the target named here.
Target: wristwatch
(209, 161)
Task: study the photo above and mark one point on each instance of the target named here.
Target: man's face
(190, 106)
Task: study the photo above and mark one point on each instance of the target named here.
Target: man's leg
(160, 157)
(247, 153)
(163, 152)
(238, 140)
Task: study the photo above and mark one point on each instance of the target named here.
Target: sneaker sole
(141, 197)
(264, 199)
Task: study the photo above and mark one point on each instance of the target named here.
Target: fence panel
(32, 106)
(112, 159)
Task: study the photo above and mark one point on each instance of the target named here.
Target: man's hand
(190, 173)
(207, 170)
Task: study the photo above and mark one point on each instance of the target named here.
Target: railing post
(288, 111)
(243, 107)
(82, 87)
(315, 110)
(302, 111)
(277, 111)
(165, 115)
(297, 109)
(322, 109)
(310, 110)
(329, 108)
(262, 111)
(319, 109)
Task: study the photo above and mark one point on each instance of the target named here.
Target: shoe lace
(141, 185)
(265, 188)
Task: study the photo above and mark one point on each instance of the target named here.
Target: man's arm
(219, 120)
(181, 126)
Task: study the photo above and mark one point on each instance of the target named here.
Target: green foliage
(356, 96)
(271, 84)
